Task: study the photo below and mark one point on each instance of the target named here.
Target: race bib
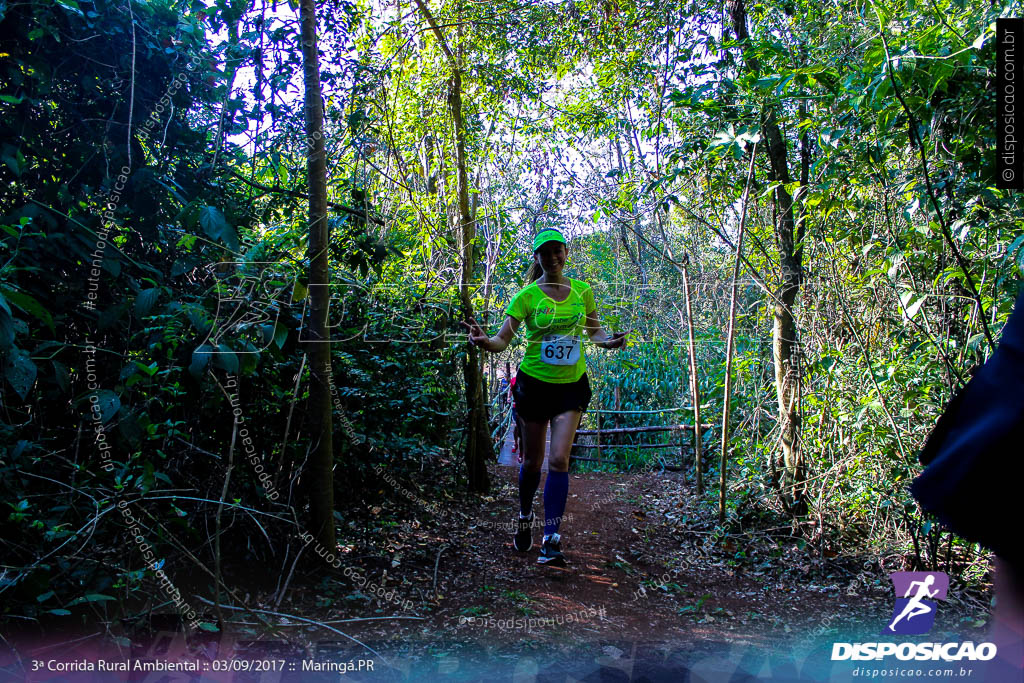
(557, 349)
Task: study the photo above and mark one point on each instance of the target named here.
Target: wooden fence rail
(637, 430)
(681, 445)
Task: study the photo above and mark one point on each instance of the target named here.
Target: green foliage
(169, 130)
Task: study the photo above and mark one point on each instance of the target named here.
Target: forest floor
(651, 590)
(764, 589)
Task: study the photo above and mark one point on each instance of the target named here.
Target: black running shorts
(539, 401)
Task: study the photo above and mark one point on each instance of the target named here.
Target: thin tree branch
(301, 195)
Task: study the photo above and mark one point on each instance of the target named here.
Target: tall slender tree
(789, 475)
(319, 476)
(478, 443)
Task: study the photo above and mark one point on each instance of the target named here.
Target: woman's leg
(556, 488)
(563, 431)
(533, 437)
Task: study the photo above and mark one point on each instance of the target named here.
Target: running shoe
(523, 540)
(551, 552)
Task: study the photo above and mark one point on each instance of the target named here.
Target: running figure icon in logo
(915, 614)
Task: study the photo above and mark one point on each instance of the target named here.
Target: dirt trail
(645, 566)
(651, 593)
(741, 605)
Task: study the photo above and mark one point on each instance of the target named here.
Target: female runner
(551, 385)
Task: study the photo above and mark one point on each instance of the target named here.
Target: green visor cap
(547, 236)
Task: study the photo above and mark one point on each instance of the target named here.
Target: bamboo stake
(730, 341)
(698, 443)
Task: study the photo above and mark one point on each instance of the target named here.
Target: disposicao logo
(914, 614)
(915, 608)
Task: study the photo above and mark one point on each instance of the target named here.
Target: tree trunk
(792, 482)
(789, 475)
(479, 449)
(319, 475)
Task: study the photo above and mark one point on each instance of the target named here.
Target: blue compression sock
(556, 490)
(528, 483)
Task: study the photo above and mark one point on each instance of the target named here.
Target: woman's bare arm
(498, 342)
(600, 337)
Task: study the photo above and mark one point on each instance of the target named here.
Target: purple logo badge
(916, 593)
